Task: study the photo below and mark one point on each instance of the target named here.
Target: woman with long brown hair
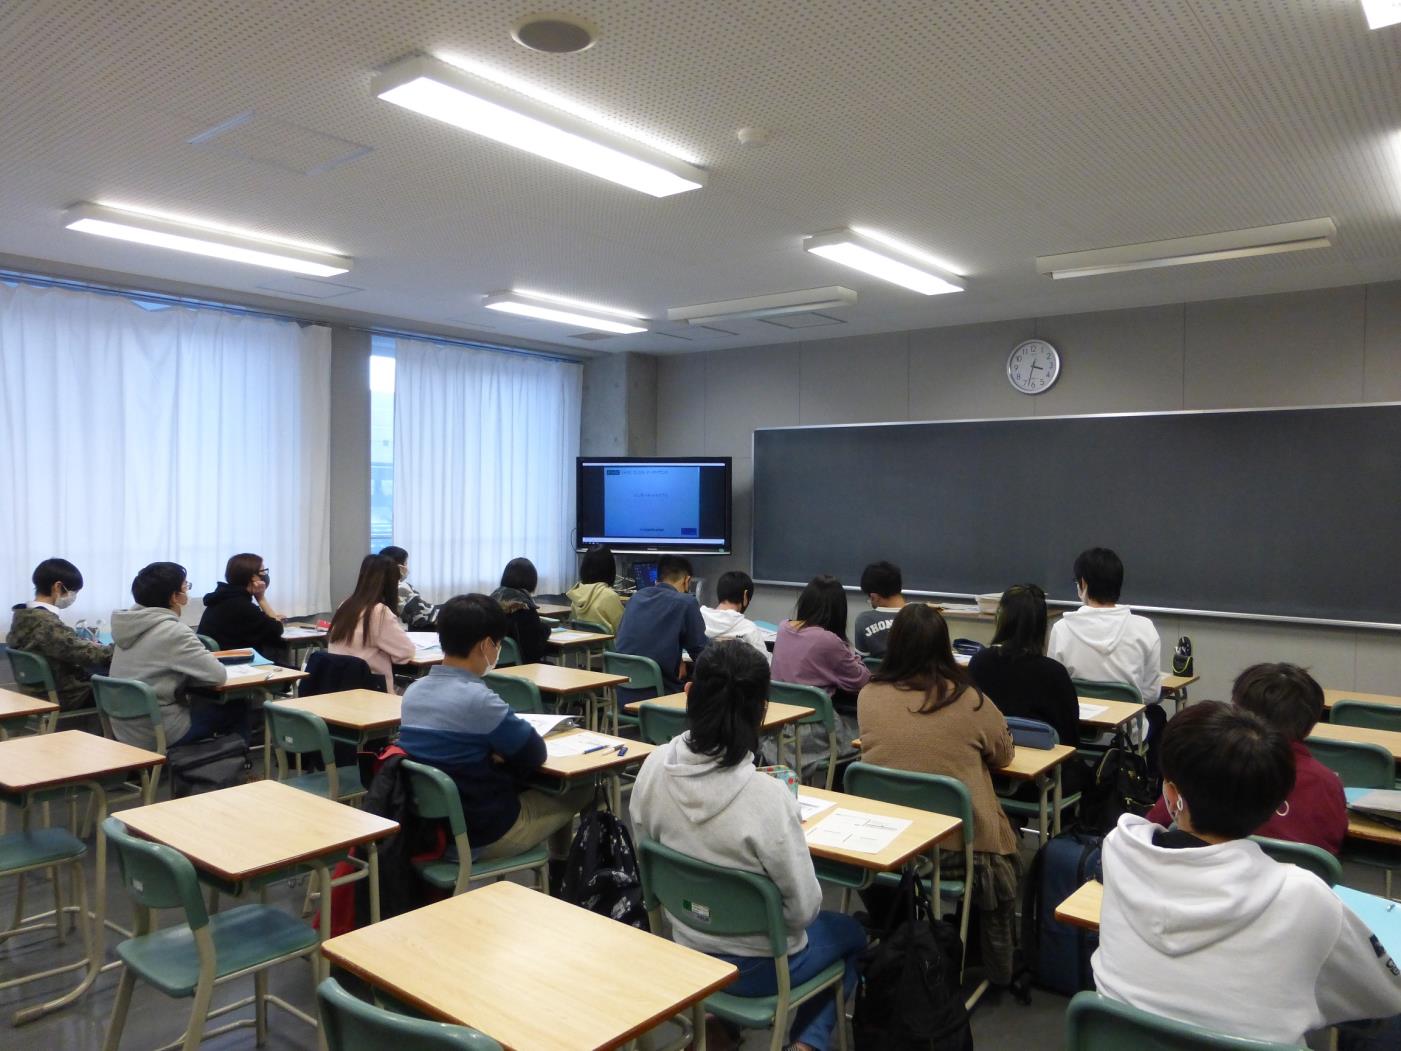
(366, 625)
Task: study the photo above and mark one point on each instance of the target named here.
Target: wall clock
(1033, 366)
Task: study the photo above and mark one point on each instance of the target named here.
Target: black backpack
(1122, 784)
(908, 997)
(601, 872)
(208, 765)
(1057, 954)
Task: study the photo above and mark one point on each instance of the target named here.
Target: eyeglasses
(185, 586)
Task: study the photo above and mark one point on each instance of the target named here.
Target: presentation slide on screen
(657, 501)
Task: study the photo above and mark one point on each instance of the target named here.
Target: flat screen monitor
(639, 504)
(644, 574)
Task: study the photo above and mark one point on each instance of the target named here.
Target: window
(381, 442)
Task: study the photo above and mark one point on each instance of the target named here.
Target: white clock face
(1033, 366)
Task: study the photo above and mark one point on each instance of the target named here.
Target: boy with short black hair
(883, 587)
(1102, 640)
(36, 627)
(454, 721)
(661, 622)
(726, 620)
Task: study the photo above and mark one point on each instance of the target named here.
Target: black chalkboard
(1280, 512)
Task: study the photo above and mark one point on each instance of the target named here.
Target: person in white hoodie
(701, 794)
(726, 619)
(1198, 924)
(151, 644)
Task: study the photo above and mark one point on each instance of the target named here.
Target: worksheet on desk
(545, 725)
(810, 806)
(577, 744)
(857, 832)
(1089, 711)
(238, 672)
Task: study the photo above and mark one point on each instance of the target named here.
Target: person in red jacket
(1288, 698)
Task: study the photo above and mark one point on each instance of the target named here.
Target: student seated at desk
(366, 625)
(662, 621)
(701, 795)
(415, 612)
(726, 619)
(1198, 924)
(922, 713)
(516, 596)
(152, 645)
(453, 720)
(883, 586)
(37, 627)
(593, 598)
(237, 613)
(1288, 698)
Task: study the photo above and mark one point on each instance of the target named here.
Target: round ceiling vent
(554, 34)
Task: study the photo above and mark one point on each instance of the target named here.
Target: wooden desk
(368, 715)
(15, 705)
(531, 971)
(553, 611)
(571, 644)
(1332, 697)
(72, 757)
(608, 763)
(1388, 739)
(264, 827)
(1371, 831)
(1177, 683)
(1082, 908)
(1115, 714)
(268, 675)
(560, 682)
(926, 829)
(776, 716)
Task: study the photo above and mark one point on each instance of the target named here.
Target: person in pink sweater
(367, 626)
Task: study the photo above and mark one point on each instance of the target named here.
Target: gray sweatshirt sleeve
(190, 658)
(788, 863)
(1359, 979)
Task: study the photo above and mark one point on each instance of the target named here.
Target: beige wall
(1322, 347)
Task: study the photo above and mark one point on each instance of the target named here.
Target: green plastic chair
(210, 643)
(597, 627)
(1032, 733)
(189, 960)
(1097, 1023)
(643, 674)
(938, 794)
(1108, 691)
(34, 677)
(128, 699)
(1363, 713)
(734, 903)
(435, 798)
(351, 1024)
(823, 714)
(521, 694)
(296, 732)
(510, 653)
(659, 724)
(1313, 859)
(871, 661)
(1357, 763)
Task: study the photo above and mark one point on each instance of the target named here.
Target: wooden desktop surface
(44, 760)
(552, 611)
(15, 705)
(925, 830)
(1388, 739)
(551, 678)
(570, 766)
(1027, 763)
(531, 971)
(1174, 683)
(361, 710)
(258, 827)
(777, 714)
(575, 639)
(1115, 713)
(270, 675)
(1371, 831)
(1082, 908)
(1332, 697)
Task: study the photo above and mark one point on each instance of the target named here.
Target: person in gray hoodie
(701, 794)
(152, 645)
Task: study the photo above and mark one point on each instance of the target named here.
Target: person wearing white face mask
(36, 627)
(451, 719)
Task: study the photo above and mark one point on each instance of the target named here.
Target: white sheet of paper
(852, 830)
(248, 671)
(576, 744)
(810, 806)
(568, 635)
(548, 724)
(962, 659)
(424, 640)
(1089, 711)
(294, 632)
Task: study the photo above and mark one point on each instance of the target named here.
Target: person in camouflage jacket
(37, 628)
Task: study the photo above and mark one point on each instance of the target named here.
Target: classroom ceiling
(987, 132)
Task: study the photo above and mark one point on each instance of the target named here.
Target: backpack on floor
(1122, 784)
(207, 766)
(1057, 954)
(908, 996)
(601, 872)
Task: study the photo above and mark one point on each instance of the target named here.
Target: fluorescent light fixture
(218, 242)
(1206, 248)
(464, 100)
(1381, 13)
(886, 259)
(546, 307)
(798, 302)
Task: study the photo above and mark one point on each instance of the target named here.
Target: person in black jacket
(1016, 673)
(516, 596)
(237, 614)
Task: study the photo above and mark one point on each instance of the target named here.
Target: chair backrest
(210, 643)
(333, 672)
(1108, 691)
(643, 672)
(1314, 859)
(1032, 733)
(1097, 1023)
(156, 876)
(1363, 713)
(521, 694)
(351, 1024)
(813, 697)
(591, 625)
(299, 732)
(706, 897)
(936, 793)
(435, 795)
(872, 662)
(510, 653)
(129, 699)
(1358, 764)
(659, 724)
(33, 674)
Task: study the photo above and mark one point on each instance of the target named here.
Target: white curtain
(484, 448)
(134, 435)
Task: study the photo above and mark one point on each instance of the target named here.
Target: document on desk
(240, 672)
(1089, 711)
(548, 724)
(811, 806)
(294, 632)
(577, 744)
(570, 635)
(857, 832)
(424, 640)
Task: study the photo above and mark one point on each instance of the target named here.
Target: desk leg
(267, 748)
(1057, 800)
(374, 882)
(1044, 788)
(323, 876)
